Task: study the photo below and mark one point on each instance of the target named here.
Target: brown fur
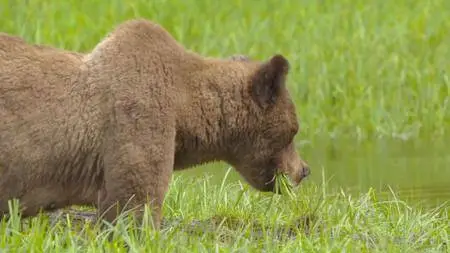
(114, 123)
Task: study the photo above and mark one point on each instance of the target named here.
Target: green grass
(230, 217)
(360, 69)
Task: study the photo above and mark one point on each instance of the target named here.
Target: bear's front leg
(138, 163)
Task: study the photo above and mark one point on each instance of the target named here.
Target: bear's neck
(211, 116)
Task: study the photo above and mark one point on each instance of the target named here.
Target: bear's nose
(305, 171)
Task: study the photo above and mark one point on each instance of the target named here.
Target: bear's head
(265, 146)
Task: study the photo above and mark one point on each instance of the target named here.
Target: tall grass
(230, 217)
(360, 68)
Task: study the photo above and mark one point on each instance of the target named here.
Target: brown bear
(107, 128)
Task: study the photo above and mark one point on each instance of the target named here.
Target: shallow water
(417, 170)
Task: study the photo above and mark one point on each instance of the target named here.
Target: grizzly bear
(108, 128)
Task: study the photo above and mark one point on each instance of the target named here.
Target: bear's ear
(269, 80)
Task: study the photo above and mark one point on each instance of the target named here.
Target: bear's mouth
(281, 182)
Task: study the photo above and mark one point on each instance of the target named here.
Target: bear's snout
(304, 171)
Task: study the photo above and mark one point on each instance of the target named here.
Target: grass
(360, 69)
(230, 217)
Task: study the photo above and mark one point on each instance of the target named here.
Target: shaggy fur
(103, 127)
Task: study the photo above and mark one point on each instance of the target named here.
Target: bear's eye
(292, 132)
(295, 129)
